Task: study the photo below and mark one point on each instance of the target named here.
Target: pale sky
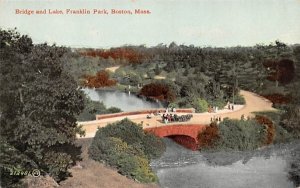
(198, 22)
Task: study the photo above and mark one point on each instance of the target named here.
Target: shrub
(159, 91)
(173, 105)
(291, 120)
(153, 147)
(101, 79)
(220, 103)
(200, 105)
(92, 108)
(240, 135)
(270, 128)
(144, 172)
(281, 134)
(208, 137)
(125, 146)
(113, 110)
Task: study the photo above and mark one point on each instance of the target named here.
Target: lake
(125, 101)
(183, 168)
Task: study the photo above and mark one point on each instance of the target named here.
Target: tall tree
(39, 103)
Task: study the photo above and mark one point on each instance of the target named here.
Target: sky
(220, 23)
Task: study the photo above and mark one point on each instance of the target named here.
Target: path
(112, 69)
(254, 103)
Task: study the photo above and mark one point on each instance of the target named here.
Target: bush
(208, 137)
(291, 120)
(281, 134)
(125, 146)
(220, 103)
(240, 135)
(159, 91)
(263, 120)
(92, 108)
(153, 147)
(101, 79)
(113, 110)
(173, 105)
(200, 105)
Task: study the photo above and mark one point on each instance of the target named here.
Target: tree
(157, 70)
(100, 80)
(39, 103)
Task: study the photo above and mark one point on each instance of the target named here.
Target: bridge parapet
(149, 111)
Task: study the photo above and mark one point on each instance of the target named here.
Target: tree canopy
(39, 103)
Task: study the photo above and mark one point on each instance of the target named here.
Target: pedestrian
(232, 107)
(243, 117)
(220, 119)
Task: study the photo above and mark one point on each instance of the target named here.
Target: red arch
(186, 135)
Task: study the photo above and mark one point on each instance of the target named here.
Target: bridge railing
(149, 111)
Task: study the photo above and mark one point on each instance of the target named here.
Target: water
(125, 101)
(182, 168)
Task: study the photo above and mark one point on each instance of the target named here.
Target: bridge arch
(186, 135)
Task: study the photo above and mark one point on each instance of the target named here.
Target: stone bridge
(186, 135)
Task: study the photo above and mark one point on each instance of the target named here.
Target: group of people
(230, 106)
(216, 119)
(166, 118)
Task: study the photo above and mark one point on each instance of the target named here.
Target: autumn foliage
(158, 91)
(278, 98)
(100, 80)
(270, 128)
(116, 53)
(208, 136)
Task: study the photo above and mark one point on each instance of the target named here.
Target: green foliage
(113, 110)
(281, 134)
(152, 146)
(78, 66)
(238, 99)
(173, 105)
(220, 103)
(240, 135)
(39, 103)
(200, 105)
(125, 146)
(157, 70)
(93, 108)
(291, 120)
(11, 159)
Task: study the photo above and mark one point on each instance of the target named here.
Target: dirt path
(159, 77)
(254, 103)
(112, 69)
